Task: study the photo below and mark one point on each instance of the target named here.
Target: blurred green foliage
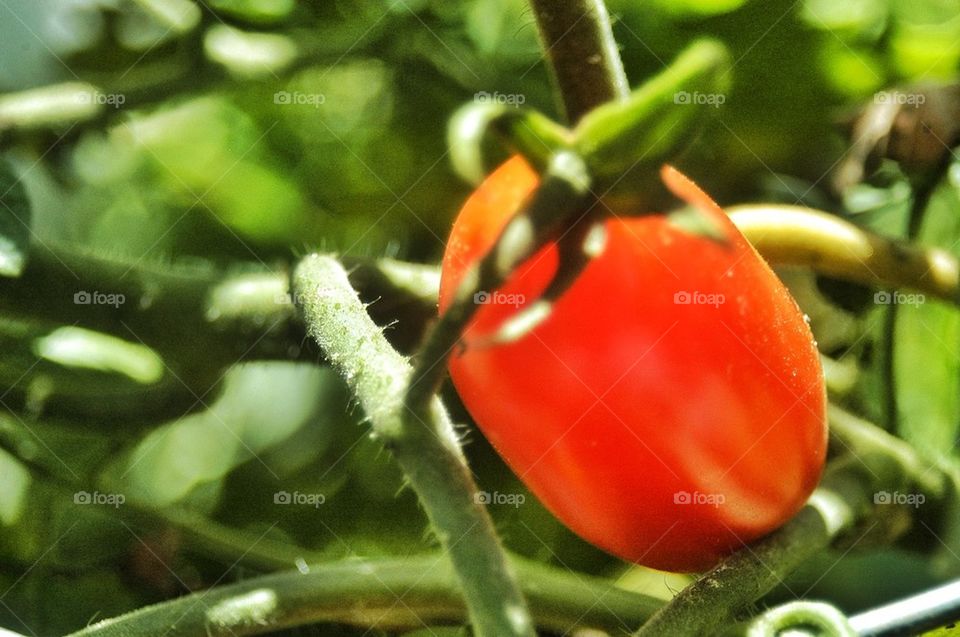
(254, 130)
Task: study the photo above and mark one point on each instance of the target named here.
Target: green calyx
(652, 125)
(636, 135)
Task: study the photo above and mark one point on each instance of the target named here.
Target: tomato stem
(422, 440)
(792, 235)
(581, 53)
(852, 434)
(365, 592)
(802, 615)
(560, 601)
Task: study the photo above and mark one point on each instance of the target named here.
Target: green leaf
(14, 223)
(54, 106)
(695, 8)
(261, 406)
(80, 348)
(180, 16)
(926, 351)
(258, 11)
(864, 19)
(16, 483)
(249, 54)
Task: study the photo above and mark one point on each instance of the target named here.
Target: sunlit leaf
(927, 346)
(16, 482)
(14, 223)
(260, 11)
(863, 19)
(84, 349)
(700, 7)
(261, 406)
(248, 54)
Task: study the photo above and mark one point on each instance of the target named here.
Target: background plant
(193, 197)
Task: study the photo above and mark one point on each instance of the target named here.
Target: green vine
(431, 594)
(421, 439)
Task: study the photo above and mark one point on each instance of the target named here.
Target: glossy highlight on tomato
(672, 407)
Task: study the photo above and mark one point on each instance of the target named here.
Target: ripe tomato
(671, 408)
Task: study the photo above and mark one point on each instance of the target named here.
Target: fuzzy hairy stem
(424, 444)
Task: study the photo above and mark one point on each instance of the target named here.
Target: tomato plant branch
(560, 600)
(801, 615)
(423, 441)
(581, 52)
(364, 592)
(864, 439)
(729, 588)
(791, 235)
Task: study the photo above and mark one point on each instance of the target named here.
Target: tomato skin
(664, 432)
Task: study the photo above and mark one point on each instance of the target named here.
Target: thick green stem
(560, 600)
(581, 52)
(745, 576)
(864, 441)
(387, 593)
(424, 444)
(792, 235)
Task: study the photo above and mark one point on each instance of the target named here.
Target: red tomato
(671, 408)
